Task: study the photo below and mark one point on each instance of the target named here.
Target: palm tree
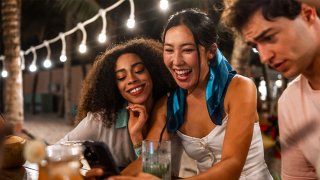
(240, 58)
(74, 11)
(10, 11)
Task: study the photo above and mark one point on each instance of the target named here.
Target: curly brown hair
(237, 12)
(100, 95)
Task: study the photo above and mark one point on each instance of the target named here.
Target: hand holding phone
(98, 155)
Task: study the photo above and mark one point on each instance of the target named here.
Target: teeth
(135, 89)
(181, 72)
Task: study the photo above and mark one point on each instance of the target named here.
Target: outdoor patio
(48, 127)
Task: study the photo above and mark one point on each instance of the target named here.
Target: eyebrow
(262, 34)
(259, 37)
(132, 66)
(184, 44)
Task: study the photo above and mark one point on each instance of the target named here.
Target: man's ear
(212, 51)
(308, 13)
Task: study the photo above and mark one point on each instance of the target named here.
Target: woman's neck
(149, 104)
(200, 89)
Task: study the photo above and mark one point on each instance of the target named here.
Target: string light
(263, 90)
(47, 62)
(103, 35)
(279, 81)
(255, 50)
(63, 57)
(33, 66)
(131, 22)
(83, 46)
(164, 5)
(4, 72)
(23, 66)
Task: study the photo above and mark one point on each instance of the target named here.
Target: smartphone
(98, 155)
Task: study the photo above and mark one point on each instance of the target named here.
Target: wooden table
(28, 171)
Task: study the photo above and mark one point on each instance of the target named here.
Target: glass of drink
(63, 161)
(156, 158)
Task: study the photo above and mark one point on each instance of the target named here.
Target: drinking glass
(156, 158)
(63, 162)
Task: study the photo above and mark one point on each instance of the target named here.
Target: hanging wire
(61, 36)
(63, 57)
(83, 46)
(23, 65)
(4, 72)
(131, 22)
(33, 66)
(47, 62)
(103, 34)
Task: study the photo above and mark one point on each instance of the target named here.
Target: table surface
(28, 171)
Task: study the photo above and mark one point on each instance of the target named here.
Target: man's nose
(266, 54)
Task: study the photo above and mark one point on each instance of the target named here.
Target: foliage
(270, 128)
(82, 10)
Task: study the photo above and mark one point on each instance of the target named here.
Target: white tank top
(207, 152)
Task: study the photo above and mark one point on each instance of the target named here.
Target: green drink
(160, 170)
(157, 160)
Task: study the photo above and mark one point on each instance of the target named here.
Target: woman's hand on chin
(138, 117)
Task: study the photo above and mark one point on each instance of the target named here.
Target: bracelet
(138, 145)
(138, 151)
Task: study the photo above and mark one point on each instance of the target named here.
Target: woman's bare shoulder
(240, 89)
(241, 84)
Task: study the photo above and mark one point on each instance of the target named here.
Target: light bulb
(4, 73)
(263, 90)
(278, 83)
(32, 68)
(279, 76)
(63, 58)
(130, 23)
(255, 50)
(102, 37)
(82, 48)
(23, 67)
(164, 4)
(47, 63)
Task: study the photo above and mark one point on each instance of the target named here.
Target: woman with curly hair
(118, 95)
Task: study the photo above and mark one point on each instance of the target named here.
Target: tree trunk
(1, 95)
(10, 10)
(240, 56)
(67, 73)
